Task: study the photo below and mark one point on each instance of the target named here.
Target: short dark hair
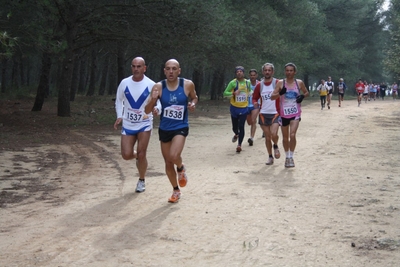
(253, 70)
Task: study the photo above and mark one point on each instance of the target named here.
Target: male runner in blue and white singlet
(174, 94)
(132, 95)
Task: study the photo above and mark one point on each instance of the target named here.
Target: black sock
(176, 188)
(179, 169)
(275, 146)
(141, 179)
(270, 156)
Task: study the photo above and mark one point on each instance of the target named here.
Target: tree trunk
(82, 76)
(43, 86)
(198, 81)
(214, 85)
(15, 73)
(75, 79)
(121, 63)
(3, 75)
(93, 70)
(64, 108)
(306, 81)
(112, 77)
(103, 82)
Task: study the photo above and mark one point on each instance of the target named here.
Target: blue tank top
(174, 113)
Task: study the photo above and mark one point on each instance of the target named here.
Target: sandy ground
(75, 205)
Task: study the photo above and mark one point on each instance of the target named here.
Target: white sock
(291, 154)
(287, 154)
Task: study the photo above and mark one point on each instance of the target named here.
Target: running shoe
(287, 163)
(176, 195)
(277, 154)
(270, 161)
(182, 177)
(234, 138)
(140, 187)
(291, 163)
(238, 149)
(250, 141)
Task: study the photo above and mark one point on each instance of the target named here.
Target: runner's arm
(278, 88)
(154, 96)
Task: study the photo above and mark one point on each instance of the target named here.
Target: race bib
(241, 97)
(290, 108)
(174, 112)
(135, 115)
(266, 96)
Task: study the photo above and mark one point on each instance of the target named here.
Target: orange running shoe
(182, 177)
(176, 195)
(238, 149)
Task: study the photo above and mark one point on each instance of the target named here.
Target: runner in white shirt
(269, 118)
(132, 95)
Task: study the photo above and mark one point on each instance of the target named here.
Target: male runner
(269, 118)
(360, 90)
(253, 110)
(174, 93)
(341, 89)
(132, 95)
(331, 87)
(288, 91)
(238, 89)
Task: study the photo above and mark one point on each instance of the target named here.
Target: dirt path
(74, 204)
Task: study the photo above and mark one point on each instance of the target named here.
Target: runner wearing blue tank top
(174, 93)
(289, 92)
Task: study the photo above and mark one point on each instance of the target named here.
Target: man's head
(253, 75)
(341, 80)
(329, 79)
(172, 69)
(290, 70)
(239, 72)
(268, 70)
(322, 81)
(138, 67)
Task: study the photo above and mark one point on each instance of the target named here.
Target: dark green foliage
(337, 38)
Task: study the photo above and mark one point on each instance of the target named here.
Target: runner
(372, 91)
(331, 87)
(288, 91)
(359, 90)
(269, 118)
(253, 111)
(341, 90)
(238, 89)
(132, 95)
(174, 93)
(366, 92)
(394, 90)
(383, 90)
(323, 90)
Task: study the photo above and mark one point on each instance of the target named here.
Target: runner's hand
(282, 91)
(299, 98)
(191, 106)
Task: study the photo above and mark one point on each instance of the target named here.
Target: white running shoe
(140, 187)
